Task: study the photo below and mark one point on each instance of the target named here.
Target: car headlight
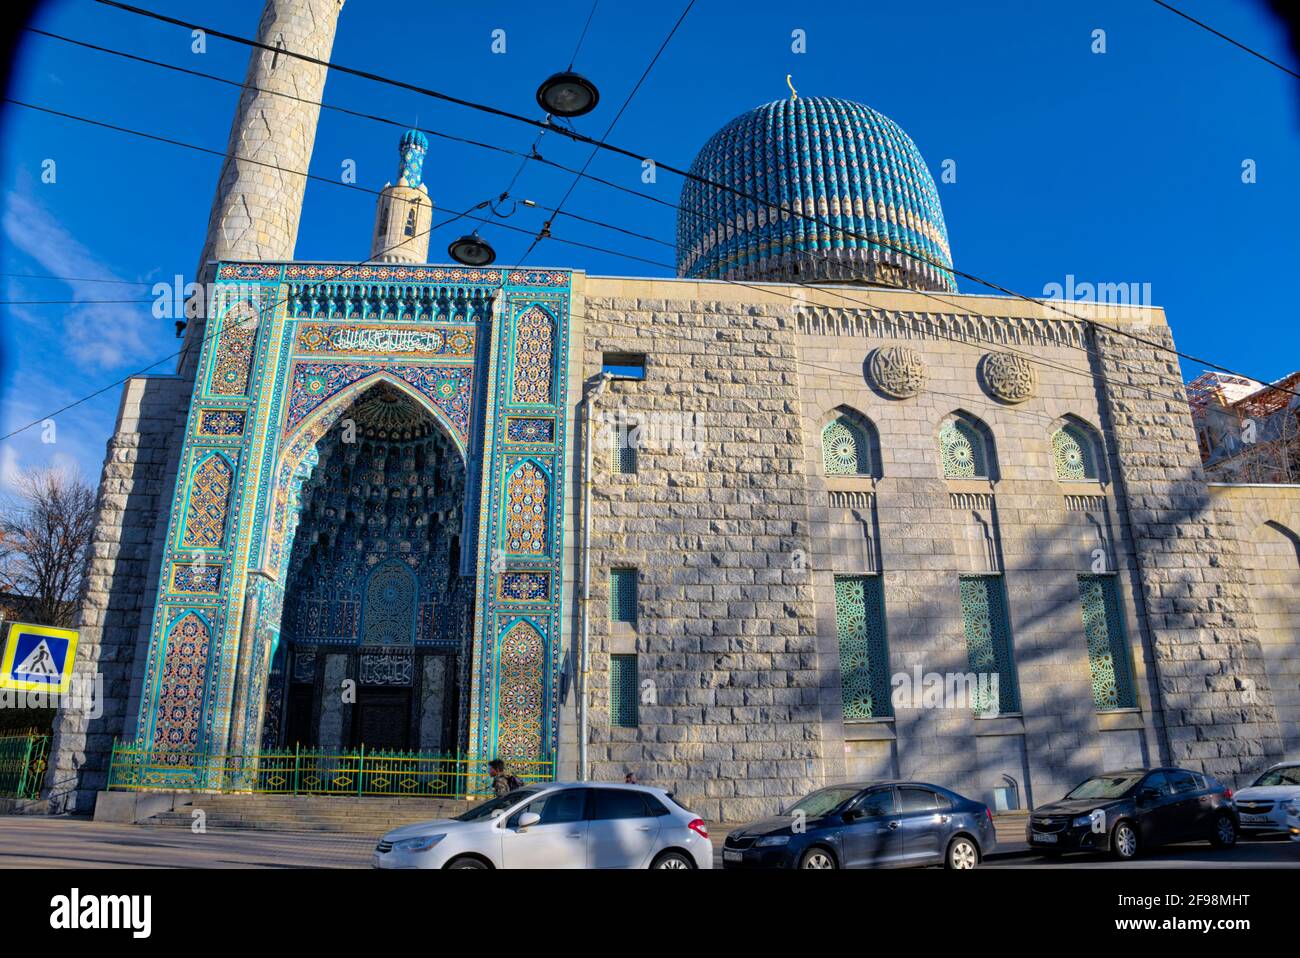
(1082, 821)
(1289, 804)
(773, 840)
(421, 844)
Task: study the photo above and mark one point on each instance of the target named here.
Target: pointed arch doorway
(374, 629)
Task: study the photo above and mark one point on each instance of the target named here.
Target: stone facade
(737, 551)
(1266, 520)
(725, 635)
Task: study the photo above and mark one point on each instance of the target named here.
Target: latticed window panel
(622, 595)
(988, 643)
(622, 453)
(623, 691)
(1074, 454)
(963, 451)
(845, 450)
(864, 655)
(1108, 658)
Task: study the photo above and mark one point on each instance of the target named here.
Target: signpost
(38, 658)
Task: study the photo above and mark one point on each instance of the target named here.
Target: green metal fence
(23, 759)
(302, 771)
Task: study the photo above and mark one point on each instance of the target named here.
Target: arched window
(1074, 453)
(846, 448)
(383, 218)
(410, 222)
(965, 449)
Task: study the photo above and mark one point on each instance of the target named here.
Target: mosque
(803, 513)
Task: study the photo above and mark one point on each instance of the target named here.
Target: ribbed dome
(846, 168)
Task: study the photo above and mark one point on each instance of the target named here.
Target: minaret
(257, 207)
(404, 209)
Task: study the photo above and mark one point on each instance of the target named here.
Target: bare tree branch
(45, 530)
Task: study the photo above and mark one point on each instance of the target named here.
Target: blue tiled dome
(846, 168)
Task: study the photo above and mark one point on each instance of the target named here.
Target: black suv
(1126, 811)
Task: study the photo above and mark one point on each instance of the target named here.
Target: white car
(1263, 807)
(557, 825)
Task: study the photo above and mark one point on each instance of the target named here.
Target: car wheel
(962, 854)
(1124, 841)
(817, 858)
(673, 860)
(468, 863)
(1225, 832)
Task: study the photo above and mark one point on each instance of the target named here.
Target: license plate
(728, 856)
(1256, 819)
(1044, 838)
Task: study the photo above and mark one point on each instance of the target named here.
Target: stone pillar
(121, 575)
(433, 698)
(1214, 692)
(256, 209)
(335, 716)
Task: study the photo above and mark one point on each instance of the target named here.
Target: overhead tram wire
(579, 137)
(355, 187)
(78, 279)
(583, 35)
(488, 146)
(546, 227)
(255, 319)
(1223, 36)
(629, 256)
(533, 155)
(173, 142)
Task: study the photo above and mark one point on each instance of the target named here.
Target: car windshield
(499, 804)
(1286, 775)
(821, 802)
(1106, 786)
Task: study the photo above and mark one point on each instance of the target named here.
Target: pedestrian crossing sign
(38, 658)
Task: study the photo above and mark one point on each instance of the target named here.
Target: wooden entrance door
(383, 719)
(299, 728)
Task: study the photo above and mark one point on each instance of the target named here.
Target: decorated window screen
(845, 448)
(864, 655)
(622, 452)
(622, 595)
(988, 644)
(963, 450)
(623, 687)
(1074, 454)
(1108, 658)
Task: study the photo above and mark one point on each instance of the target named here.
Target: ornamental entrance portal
(376, 612)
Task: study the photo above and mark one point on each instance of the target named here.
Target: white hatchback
(1263, 807)
(557, 825)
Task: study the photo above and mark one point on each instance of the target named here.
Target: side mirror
(529, 819)
(1147, 795)
(853, 815)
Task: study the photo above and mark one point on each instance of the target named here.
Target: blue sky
(1122, 167)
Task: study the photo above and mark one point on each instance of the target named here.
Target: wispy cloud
(97, 336)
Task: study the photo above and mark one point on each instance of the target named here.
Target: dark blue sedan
(867, 825)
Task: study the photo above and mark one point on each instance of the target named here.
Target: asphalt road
(1254, 853)
(41, 842)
